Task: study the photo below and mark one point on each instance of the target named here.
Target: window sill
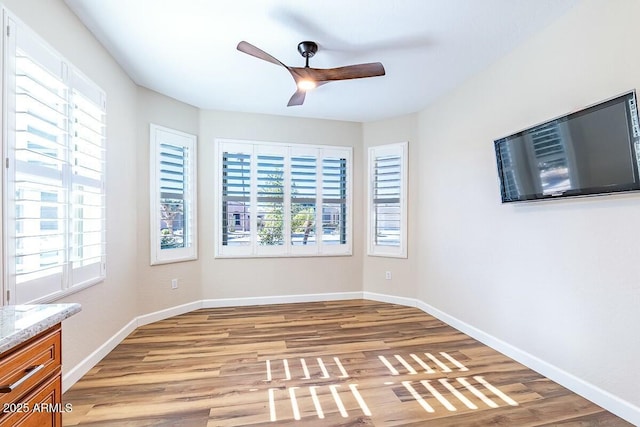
(67, 292)
(238, 256)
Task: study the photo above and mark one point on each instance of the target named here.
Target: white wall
(559, 280)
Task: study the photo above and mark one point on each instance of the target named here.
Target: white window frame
(375, 248)
(320, 246)
(160, 136)
(80, 152)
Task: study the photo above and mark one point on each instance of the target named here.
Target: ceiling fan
(308, 78)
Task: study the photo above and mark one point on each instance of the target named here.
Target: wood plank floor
(342, 363)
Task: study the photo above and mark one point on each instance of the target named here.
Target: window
(54, 176)
(173, 195)
(387, 234)
(282, 199)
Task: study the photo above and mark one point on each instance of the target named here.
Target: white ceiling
(186, 49)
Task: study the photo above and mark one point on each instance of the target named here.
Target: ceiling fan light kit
(307, 85)
(307, 78)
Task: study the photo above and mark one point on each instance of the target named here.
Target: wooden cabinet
(30, 382)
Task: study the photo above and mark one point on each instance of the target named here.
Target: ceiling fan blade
(297, 98)
(250, 49)
(359, 71)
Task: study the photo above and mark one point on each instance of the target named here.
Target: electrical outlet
(174, 283)
(387, 275)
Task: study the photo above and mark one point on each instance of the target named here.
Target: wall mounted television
(589, 152)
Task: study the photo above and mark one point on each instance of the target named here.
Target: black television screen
(592, 151)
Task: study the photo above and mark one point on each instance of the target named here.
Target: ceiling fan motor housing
(307, 48)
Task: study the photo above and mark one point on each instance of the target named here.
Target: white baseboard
(78, 371)
(407, 302)
(283, 299)
(145, 319)
(600, 397)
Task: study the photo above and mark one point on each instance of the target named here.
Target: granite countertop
(18, 323)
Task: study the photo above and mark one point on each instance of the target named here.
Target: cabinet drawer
(41, 408)
(24, 367)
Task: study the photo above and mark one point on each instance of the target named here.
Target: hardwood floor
(341, 363)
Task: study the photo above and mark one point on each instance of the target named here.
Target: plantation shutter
(172, 192)
(387, 221)
(334, 200)
(304, 189)
(270, 176)
(236, 198)
(40, 168)
(87, 204)
(387, 184)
